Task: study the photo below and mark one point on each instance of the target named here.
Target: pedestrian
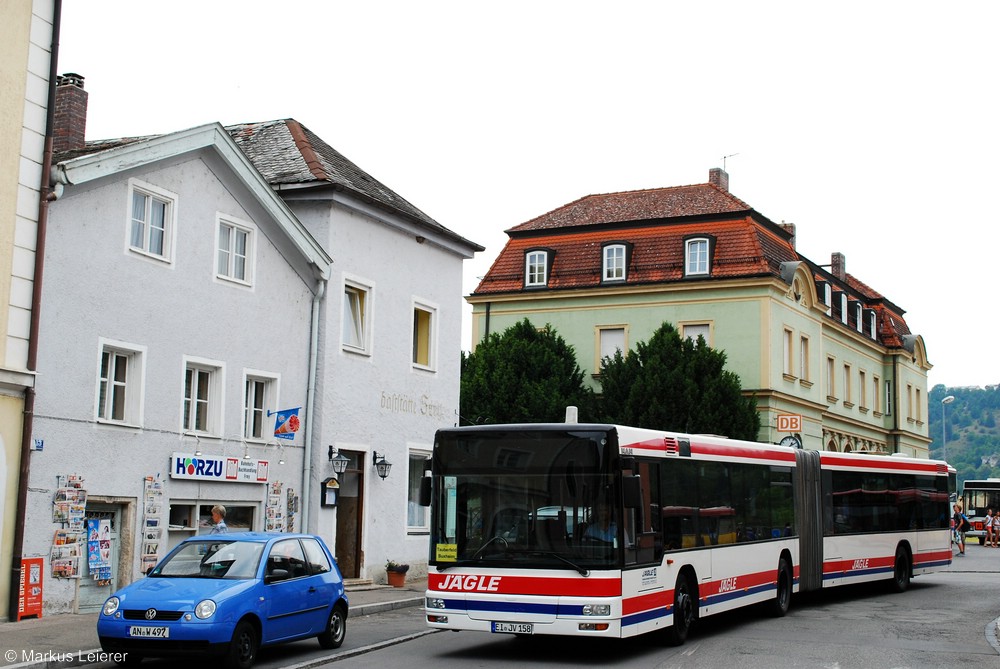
(219, 518)
(959, 521)
(990, 524)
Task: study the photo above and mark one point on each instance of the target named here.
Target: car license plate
(513, 628)
(149, 632)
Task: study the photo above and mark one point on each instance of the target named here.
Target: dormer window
(615, 262)
(859, 321)
(536, 268)
(843, 308)
(697, 256)
(871, 324)
(828, 298)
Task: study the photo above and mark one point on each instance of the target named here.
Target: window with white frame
(696, 256)
(871, 325)
(119, 386)
(235, 251)
(202, 397)
(610, 340)
(694, 330)
(417, 519)
(614, 262)
(859, 321)
(536, 268)
(259, 396)
(831, 382)
(423, 336)
(804, 358)
(152, 213)
(828, 298)
(843, 308)
(356, 317)
(786, 353)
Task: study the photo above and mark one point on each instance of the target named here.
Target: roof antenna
(724, 159)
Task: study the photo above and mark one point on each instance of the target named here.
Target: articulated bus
(612, 531)
(977, 498)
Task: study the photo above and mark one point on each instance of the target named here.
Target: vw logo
(151, 614)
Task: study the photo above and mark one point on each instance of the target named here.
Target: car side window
(317, 557)
(286, 555)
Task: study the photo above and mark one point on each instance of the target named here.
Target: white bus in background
(977, 498)
(699, 525)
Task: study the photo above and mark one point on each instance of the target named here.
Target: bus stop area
(70, 640)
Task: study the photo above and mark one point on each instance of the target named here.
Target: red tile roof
(655, 223)
(638, 205)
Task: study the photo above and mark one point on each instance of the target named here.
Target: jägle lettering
(860, 564)
(471, 583)
(727, 584)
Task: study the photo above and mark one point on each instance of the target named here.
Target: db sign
(789, 423)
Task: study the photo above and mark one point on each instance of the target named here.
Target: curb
(83, 657)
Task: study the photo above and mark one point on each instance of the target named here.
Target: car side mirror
(276, 575)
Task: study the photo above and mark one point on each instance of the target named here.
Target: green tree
(673, 383)
(522, 375)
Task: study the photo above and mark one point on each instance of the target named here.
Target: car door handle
(312, 588)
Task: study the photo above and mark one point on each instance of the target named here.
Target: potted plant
(396, 573)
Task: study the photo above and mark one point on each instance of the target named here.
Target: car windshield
(212, 559)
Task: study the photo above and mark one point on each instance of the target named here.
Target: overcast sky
(870, 125)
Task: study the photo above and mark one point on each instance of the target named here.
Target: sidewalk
(66, 639)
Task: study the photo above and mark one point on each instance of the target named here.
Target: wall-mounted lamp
(281, 455)
(338, 460)
(246, 451)
(381, 466)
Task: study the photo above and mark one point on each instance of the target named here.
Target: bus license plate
(149, 632)
(513, 628)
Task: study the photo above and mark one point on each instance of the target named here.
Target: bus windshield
(543, 498)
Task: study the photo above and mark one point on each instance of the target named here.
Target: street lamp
(944, 427)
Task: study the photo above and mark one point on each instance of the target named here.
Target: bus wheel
(778, 606)
(685, 610)
(901, 571)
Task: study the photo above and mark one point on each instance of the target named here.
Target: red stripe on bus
(524, 585)
(883, 463)
(722, 450)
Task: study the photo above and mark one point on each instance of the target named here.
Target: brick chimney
(719, 178)
(790, 229)
(838, 266)
(70, 113)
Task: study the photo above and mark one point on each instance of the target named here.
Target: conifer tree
(523, 374)
(676, 384)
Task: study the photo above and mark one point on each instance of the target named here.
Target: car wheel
(685, 611)
(243, 648)
(783, 597)
(336, 628)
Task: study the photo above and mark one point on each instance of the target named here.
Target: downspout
(310, 400)
(895, 399)
(45, 193)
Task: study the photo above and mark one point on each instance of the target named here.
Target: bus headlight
(597, 609)
(435, 603)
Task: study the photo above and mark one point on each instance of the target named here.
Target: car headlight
(111, 606)
(205, 609)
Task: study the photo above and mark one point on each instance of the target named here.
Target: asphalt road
(944, 620)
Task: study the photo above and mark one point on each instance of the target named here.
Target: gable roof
(110, 157)
(288, 153)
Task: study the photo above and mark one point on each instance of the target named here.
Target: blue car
(228, 595)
